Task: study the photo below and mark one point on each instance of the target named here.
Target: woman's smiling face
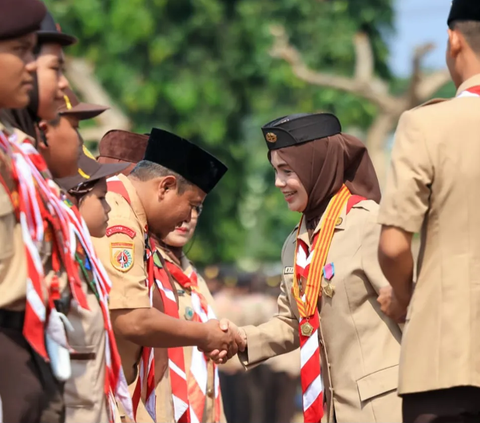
(289, 184)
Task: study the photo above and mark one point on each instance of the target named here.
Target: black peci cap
(89, 171)
(464, 10)
(188, 160)
(299, 128)
(20, 17)
(50, 32)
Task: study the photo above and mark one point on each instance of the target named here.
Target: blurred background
(214, 71)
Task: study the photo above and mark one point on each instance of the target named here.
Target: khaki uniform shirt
(360, 346)
(84, 393)
(164, 391)
(122, 254)
(432, 188)
(13, 267)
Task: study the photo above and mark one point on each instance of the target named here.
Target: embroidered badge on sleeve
(122, 255)
(120, 229)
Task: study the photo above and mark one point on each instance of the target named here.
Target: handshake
(222, 341)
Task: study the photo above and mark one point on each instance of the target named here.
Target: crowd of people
(103, 318)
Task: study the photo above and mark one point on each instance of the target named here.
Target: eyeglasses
(198, 209)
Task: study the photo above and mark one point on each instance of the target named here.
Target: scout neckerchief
(156, 275)
(308, 271)
(115, 383)
(39, 209)
(198, 377)
(470, 92)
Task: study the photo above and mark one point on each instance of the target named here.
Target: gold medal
(307, 329)
(329, 290)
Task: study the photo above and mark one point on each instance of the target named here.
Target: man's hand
(390, 305)
(240, 340)
(220, 341)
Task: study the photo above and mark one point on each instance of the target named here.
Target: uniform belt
(83, 356)
(10, 319)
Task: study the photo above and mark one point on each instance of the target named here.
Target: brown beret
(71, 106)
(123, 145)
(20, 17)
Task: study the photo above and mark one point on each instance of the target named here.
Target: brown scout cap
(51, 33)
(73, 107)
(89, 171)
(20, 17)
(123, 145)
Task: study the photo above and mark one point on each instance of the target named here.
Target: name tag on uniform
(288, 270)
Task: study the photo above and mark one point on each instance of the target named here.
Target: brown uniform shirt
(433, 188)
(360, 346)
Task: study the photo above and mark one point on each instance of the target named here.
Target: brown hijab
(323, 165)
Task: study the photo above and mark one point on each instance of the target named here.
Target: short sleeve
(406, 197)
(122, 252)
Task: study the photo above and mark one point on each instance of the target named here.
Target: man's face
(51, 80)
(17, 65)
(173, 209)
(64, 146)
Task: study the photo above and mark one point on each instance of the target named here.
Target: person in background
(432, 188)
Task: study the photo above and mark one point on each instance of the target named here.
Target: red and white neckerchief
(39, 207)
(116, 386)
(156, 275)
(470, 92)
(198, 377)
(308, 266)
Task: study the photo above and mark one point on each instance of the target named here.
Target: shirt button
(210, 392)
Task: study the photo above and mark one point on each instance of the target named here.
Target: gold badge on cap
(271, 137)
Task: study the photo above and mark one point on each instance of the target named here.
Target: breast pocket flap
(378, 383)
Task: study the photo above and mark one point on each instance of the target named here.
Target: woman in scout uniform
(195, 303)
(331, 278)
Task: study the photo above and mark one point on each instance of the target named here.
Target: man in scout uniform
(129, 148)
(27, 386)
(432, 189)
(161, 192)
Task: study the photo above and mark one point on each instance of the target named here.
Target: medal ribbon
(309, 323)
(198, 376)
(156, 275)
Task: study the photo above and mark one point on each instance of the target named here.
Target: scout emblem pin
(189, 313)
(328, 273)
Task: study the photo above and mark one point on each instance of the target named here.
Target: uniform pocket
(80, 388)
(378, 383)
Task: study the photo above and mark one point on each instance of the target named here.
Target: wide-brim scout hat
(20, 17)
(89, 171)
(300, 128)
(82, 111)
(50, 32)
(185, 158)
(464, 10)
(123, 145)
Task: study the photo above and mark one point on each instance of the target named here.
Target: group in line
(104, 319)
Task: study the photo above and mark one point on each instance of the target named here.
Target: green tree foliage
(202, 69)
